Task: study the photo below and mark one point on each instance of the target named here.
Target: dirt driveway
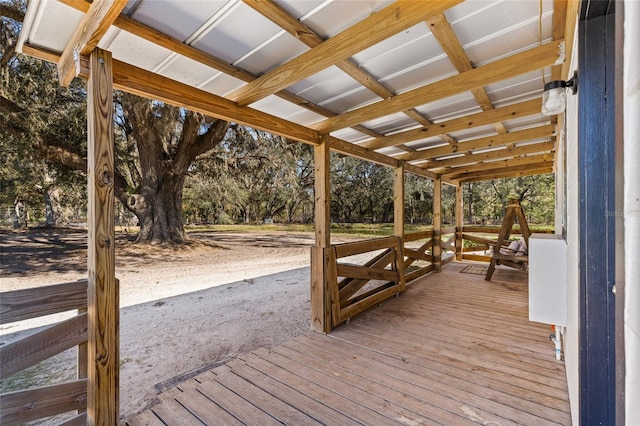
(181, 310)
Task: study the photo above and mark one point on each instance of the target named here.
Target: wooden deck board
(453, 349)
(278, 409)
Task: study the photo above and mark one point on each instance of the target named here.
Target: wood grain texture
(29, 303)
(144, 83)
(81, 420)
(398, 217)
(23, 406)
(377, 27)
(103, 293)
(309, 37)
(398, 201)
(521, 109)
(499, 70)
(95, 23)
(459, 220)
(517, 171)
(535, 148)
(44, 344)
(512, 162)
(387, 367)
(320, 298)
(437, 225)
(508, 139)
(365, 246)
(446, 36)
(350, 285)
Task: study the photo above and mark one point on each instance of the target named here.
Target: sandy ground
(182, 311)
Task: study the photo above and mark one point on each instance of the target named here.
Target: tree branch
(11, 11)
(8, 107)
(191, 145)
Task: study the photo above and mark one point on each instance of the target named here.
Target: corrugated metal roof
(235, 33)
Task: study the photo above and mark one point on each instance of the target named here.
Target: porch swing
(514, 255)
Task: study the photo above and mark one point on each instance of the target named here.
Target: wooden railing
(477, 235)
(356, 287)
(26, 405)
(448, 244)
(416, 257)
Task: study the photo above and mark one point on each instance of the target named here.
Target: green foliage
(37, 112)
(251, 176)
(486, 201)
(360, 191)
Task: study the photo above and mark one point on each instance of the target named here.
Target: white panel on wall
(547, 279)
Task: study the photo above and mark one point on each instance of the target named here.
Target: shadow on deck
(453, 349)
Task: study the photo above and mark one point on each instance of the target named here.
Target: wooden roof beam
(510, 172)
(308, 36)
(372, 30)
(529, 60)
(156, 37)
(357, 151)
(518, 110)
(442, 31)
(145, 83)
(92, 28)
(510, 138)
(536, 148)
(497, 165)
(135, 80)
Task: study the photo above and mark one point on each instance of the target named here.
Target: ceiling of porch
(451, 88)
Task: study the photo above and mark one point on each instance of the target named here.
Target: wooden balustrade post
(437, 225)
(320, 294)
(103, 365)
(398, 216)
(459, 220)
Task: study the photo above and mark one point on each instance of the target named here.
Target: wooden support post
(398, 216)
(437, 225)
(320, 294)
(459, 220)
(102, 292)
(82, 352)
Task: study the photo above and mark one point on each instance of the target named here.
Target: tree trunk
(53, 209)
(161, 219)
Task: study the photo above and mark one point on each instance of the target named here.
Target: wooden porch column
(398, 214)
(459, 220)
(102, 293)
(437, 225)
(320, 301)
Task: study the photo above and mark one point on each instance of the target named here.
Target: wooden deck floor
(453, 349)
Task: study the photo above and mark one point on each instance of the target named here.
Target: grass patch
(367, 229)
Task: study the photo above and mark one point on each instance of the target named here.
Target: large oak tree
(156, 144)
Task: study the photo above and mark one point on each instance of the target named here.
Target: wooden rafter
(440, 27)
(500, 164)
(571, 20)
(442, 31)
(144, 83)
(502, 69)
(308, 36)
(517, 171)
(488, 156)
(138, 81)
(94, 25)
(518, 110)
(510, 138)
(156, 37)
(374, 29)
(284, 20)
